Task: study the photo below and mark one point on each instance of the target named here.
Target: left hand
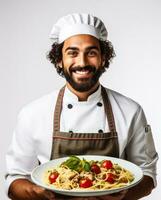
(115, 196)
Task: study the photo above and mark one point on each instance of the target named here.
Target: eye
(92, 53)
(72, 53)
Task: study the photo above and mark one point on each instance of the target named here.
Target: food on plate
(77, 174)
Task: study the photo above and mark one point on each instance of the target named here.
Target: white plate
(38, 172)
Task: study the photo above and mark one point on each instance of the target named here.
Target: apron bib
(70, 143)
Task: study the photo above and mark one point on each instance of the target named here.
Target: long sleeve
(140, 148)
(21, 157)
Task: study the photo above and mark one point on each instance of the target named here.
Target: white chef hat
(75, 24)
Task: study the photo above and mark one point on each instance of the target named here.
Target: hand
(38, 193)
(23, 189)
(116, 196)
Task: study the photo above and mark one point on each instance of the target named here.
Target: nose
(82, 60)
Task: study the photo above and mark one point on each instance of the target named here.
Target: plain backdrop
(134, 28)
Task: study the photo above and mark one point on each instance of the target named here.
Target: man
(109, 123)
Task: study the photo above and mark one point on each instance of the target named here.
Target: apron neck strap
(58, 108)
(108, 110)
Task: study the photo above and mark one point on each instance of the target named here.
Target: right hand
(23, 189)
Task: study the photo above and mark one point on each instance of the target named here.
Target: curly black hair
(55, 54)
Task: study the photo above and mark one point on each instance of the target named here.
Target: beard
(83, 84)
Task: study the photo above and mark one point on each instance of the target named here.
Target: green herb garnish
(75, 163)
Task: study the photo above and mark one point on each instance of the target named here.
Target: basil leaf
(73, 163)
(87, 167)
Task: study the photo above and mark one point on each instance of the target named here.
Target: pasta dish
(76, 174)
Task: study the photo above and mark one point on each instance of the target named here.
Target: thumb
(49, 195)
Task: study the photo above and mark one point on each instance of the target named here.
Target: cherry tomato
(85, 183)
(53, 176)
(107, 164)
(95, 168)
(110, 178)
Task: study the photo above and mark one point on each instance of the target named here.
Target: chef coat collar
(71, 97)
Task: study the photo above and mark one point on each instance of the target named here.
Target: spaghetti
(76, 174)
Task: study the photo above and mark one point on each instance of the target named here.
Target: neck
(83, 96)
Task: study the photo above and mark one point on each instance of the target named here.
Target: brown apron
(69, 143)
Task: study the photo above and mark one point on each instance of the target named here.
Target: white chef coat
(32, 138)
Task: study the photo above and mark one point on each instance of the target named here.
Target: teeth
(82, 72)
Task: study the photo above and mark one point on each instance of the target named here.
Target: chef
(83, 117)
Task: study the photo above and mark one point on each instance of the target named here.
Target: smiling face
(82, 62)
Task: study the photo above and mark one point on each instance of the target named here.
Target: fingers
(115, 196)
(120, 194)
(43, 194)
(123, 192)
(49, 195)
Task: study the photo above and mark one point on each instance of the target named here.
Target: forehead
(81, 42)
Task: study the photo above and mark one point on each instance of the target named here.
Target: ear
(60, 64)
(103, 60)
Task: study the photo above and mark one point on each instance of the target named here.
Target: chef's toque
(78, 23)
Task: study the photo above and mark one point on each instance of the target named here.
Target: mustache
(89, 68)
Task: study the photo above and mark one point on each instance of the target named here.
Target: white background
(134, 28)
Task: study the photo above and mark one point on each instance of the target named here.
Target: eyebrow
(71, 48)
(88, 48)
